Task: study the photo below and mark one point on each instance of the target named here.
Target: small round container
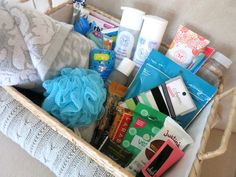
(126, 66)
(213, 70)
(122, 72)
(218, 64)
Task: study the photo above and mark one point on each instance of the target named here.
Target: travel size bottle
(122, 72)
(130, 26)
(150, 37)
(213, 70)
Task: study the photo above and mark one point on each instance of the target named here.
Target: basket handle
(228, 130)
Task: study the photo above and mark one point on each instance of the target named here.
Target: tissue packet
(170, 130)
(145, 124)
(171, 98)
(157, 69)
(186, 46)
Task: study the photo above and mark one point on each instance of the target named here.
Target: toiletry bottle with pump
(130, 26)
(150, 37)
(122, 72)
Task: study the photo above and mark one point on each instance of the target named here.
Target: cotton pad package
(158, 69)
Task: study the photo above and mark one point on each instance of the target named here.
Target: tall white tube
(130, 26)
(150, 37)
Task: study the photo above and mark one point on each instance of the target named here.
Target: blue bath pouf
(75, 97)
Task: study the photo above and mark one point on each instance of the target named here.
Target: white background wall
(214, 19)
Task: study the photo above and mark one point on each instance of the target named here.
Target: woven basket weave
(106, 162)
(50, 9)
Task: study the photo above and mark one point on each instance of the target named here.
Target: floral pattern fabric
(34, 47)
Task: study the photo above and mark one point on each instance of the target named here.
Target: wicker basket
(51, 9)
(106, 162)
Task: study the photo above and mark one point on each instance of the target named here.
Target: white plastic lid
(126, 66)
(132, 18)
(223, 60)
(154, 27)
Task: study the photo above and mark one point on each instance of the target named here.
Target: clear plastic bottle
(122, 72)
(213, 70)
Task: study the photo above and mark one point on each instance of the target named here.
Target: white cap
(223, 60)
(154, 28)
(126, 66)
(132, 18)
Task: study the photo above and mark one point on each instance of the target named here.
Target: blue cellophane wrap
(157, 69)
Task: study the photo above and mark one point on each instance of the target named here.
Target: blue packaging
(95, 35)
(82, 26)
(112, 33)
(102, 61)
(157, 69)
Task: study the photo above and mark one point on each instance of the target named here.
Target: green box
(145, 124)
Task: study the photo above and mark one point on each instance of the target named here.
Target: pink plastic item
(163, 159)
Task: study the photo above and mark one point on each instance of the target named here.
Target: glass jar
(213, 70)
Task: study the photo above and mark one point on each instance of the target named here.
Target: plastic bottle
(130, 25)
(122, 72)
(150, 37)
(213, 70)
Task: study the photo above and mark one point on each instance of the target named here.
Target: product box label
(145, 124)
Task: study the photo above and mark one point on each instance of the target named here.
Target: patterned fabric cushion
(62, 157)
(35, 47)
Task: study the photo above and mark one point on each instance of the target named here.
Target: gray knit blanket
(62, 157)
(34, 47)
